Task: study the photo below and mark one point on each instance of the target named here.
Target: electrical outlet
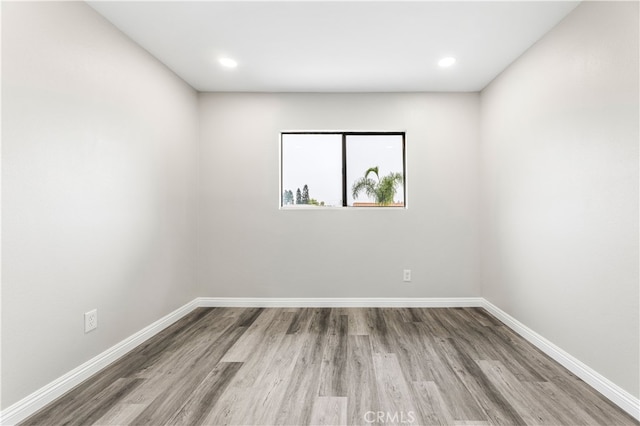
(90, 320)
(406, 275)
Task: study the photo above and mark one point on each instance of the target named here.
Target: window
(342, 169)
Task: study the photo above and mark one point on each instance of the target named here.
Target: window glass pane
(384, 154)
(314, 161)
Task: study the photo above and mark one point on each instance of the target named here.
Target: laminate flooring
(334, 366)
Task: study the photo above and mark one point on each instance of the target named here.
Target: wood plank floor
(322, 366)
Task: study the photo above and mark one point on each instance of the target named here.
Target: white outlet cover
(90, 320)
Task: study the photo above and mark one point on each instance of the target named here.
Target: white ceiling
(348, 46)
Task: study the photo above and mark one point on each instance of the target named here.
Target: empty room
(320, 213)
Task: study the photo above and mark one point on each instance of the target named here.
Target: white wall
(560, 189)
(250, 248)
(98, 162)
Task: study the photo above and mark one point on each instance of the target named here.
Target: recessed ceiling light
(228, 62)
(446, 62)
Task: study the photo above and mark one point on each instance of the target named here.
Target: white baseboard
(336, 302)
(606, 387)
(45, 395)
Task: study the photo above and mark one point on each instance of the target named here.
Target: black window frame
(344, 135)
